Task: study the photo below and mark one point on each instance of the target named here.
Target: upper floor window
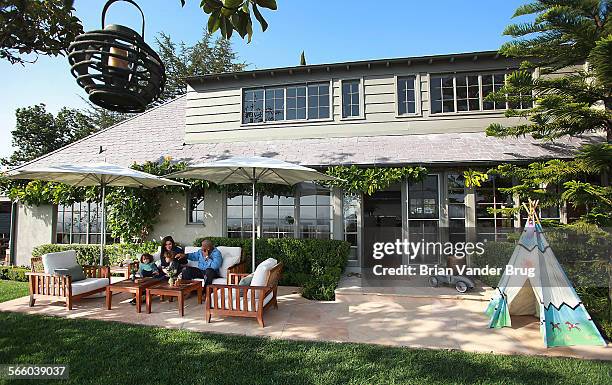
(294, 102)
(460, 93)
(196, 209)
(406, 95)
(351, 100)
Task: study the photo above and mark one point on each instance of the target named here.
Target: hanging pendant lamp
(117, 69)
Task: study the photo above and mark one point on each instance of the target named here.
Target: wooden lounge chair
(245, 301)
(46, 285)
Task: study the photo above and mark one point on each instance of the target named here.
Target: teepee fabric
(548, 295)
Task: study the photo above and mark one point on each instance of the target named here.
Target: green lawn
(99, 352)
(12, 289)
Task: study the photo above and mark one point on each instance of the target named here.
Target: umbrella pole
(253, 231)
(103, 225)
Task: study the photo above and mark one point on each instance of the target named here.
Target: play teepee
(547, 294)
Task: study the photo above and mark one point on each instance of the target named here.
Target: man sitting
(209, 261)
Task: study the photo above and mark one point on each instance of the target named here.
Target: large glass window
(315, 212)
(318, 101)
(278, 217)
(442, 94)
(496, 225)
(294, 102)
(351, 104)
(351, 204)
(79, 223)
(460, 93)
(406, 95)
(275, 104)
(456, 207)
(239, 214)
(196, 209)
(307, 213)
(253, 106)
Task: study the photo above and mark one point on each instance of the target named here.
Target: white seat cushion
(192, 249)
(88, 284)
(216, 281)
(59, 260)
(261, 272)
(231, 256)
(233, 306)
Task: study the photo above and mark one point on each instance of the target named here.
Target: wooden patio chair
(46, 285)
(243, 301)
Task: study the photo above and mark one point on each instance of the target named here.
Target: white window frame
(361, 99)
(417, 95)
(481, 97)
(285, 86)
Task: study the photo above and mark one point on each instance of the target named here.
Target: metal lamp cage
(115, 66)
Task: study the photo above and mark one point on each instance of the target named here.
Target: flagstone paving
(432, 322)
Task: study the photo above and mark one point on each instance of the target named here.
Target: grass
(12, 289)
(99, 352)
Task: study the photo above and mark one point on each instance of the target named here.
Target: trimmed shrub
(90, 254)
(314, 264)
(14, 273)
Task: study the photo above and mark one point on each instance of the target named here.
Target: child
(171, 262)
(147, 266)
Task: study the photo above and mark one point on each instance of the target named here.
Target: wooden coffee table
(179, 290)
(137, 288)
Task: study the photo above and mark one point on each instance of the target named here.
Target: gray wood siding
(213, 112)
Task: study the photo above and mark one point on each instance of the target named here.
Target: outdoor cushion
(192, 249)
(261, 272)
(216, 281)
(88, 284)
(75, 272)
(59, 260)
(246, 281)
(231, 256)
(267, 299)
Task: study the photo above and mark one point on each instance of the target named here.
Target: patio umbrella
(94, 174)
(251, 170)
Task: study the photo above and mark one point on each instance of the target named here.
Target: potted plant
(172, 273)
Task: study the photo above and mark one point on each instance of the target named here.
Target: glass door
(423, 217)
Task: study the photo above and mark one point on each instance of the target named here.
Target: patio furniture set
(58, 277)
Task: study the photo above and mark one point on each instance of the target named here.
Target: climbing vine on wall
(369, 180)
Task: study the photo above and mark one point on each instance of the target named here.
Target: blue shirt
(214, 260)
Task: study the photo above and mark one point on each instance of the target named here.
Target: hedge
(314, 264)
(14, 273)
(90, 254)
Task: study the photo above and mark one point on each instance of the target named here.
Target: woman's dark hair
(146, 256)
(167, 238)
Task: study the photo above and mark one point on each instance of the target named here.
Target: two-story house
(427, 111)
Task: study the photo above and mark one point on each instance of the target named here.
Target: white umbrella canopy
(94, 174)
(251, 170)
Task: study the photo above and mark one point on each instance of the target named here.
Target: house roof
(349, 64)
(159, 132)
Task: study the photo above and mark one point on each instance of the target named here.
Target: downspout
(13, 233)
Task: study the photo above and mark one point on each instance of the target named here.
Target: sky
(327, 30)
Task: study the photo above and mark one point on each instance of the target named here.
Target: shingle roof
(159, 132)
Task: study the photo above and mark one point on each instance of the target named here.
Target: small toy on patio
(462, 283)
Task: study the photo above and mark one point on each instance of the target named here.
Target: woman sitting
(168, 244)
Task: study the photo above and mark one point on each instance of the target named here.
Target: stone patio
(438, 320)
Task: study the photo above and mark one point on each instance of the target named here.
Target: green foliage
(90, 254)
(36, 27)
(37, 132)
(182, 61)
(474, 178)
(369, 180)
(12, 289)
(13, 273)
(235, 15)
(314, 264)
